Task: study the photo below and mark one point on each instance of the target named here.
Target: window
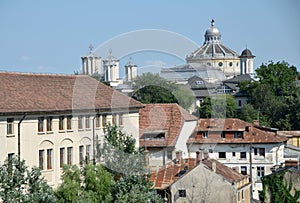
(61, 123)
(104, 117)
(69, 122)
(49, 158)
(223, 135)
(87, 151)
(10, 126)
(169, 155)
(61, 157)
(240, 103)
(238, 134)
(10, 164)
(259, 152)
(204, 135)
(244, 170)
(80, 122)
(87, 122)
(239, 196)
(182, 193)
(114, 119)
(260, 172)
(41, 124)
(49, 124)
(243, 196)
(199, 82)
(41, 159)
(120, 119)
(80, 155)
(243, 155)
(222, 155)
(97, 121)
(233, 154)
(220, 64)
(69, 155)
(230, 64)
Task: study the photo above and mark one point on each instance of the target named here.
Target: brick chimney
(198, 157)
(214, 166)
(178, 156)
(256, 122)
(206, 156)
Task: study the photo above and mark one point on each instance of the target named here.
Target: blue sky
(51, 36)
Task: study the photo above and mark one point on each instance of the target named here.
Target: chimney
(206, 156)
(179, 156)
(198, 157)
(256, 122)
(214, 166)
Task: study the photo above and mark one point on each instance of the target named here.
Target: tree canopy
(275, 96)
(218, 106)
(151, 88)
(18, 183)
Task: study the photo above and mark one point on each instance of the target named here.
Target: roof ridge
(39, 74)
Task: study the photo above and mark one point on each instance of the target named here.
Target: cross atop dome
(212, 22)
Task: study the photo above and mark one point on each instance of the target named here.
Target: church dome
(246, 53)
(212, 34)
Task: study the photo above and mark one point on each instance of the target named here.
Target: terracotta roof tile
(21, 92)
(251, 133)
(162, 118)
(167, 175)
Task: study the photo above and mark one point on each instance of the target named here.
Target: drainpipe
(251, 181)
(19, 136)
(94, 137)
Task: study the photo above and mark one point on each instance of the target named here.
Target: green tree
(218, 106)
(20, 184)
(275, 95)
(91, 183)
(151, 88)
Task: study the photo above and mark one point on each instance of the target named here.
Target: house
(250, 149)
(195, 180)
(293, 137)
(164, 130)
(52, 120)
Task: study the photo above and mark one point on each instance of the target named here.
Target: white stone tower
(111, 68)
(130, 70)
(91, 64)
(246, 62)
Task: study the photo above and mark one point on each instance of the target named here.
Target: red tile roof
(168, 174)
(162, 118)
(251, 134)
(21, 92)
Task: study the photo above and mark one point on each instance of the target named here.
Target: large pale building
(213, 61)
(52, 120)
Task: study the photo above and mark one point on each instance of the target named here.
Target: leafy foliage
(151, 88)
(19, 184)
(279, 189)
(219, 106)
(248, 114)
(91, 183)
(275, 95)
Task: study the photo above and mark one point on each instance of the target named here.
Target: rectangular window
(169, 155)
(80, 122)
(240, 103)
(259, 152)
(233, 154)
(49, 124)
(182, 193)
(41, 124)
(243, 196)
(81, 158)
(69, 122)
(41, 159)
(104, 117)
(87, 122)
(61, 123)
(120, 119)
(61, 157)
(10, 126)
(238, 134)
(10, 156)
(223, 135)
(87, 151)
(260, 172)
(239, 196)
(244, 170)
(222, 155)
(69, 155)
(204, 135)
(49, 158)
(97, 120)
(243, 155)
(114, 119)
